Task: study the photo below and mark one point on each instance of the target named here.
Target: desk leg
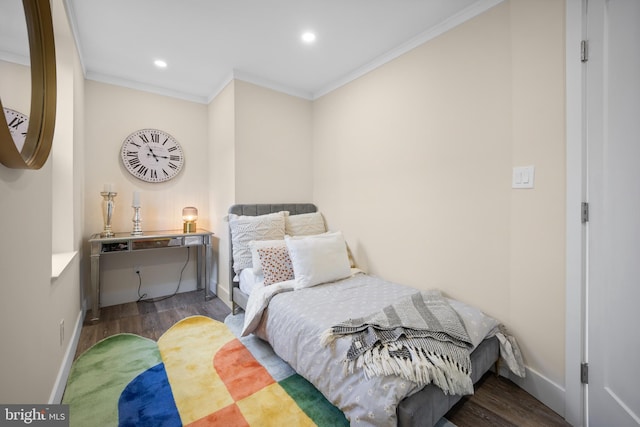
(199, 282)
(95, 282)
(208, 269)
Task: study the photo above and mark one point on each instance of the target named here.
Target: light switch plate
(523, 177)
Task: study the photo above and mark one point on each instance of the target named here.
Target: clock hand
(152, 153)
(155, 156)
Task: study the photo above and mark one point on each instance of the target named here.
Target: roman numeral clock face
(152, 155)
(18, 125)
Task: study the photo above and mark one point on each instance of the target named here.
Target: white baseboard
(65, 367)
(542, 388)
(223, 294)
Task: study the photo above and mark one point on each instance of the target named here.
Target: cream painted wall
(260, 139)
(537, 243)
(16, 87)
(413, 163)
(65, 203)
(32, 305)
(221, 177)
(273, 145)
(111, 114)
(26, 325)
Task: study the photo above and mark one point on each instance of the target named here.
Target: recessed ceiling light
(160, 63)
(308, 37)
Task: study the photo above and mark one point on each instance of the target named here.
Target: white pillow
(247, 228)
(254, 245)
(318, 259)
(305, 224)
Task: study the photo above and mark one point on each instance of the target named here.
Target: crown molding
(158, 90)
(220, 88)
(72, 19)
(470, 12)
(269, 84)
(15, 58)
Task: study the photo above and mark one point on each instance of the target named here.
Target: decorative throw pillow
(276, 264)
(247, 228)
(305, 224)
(254, 245)
(318, 259)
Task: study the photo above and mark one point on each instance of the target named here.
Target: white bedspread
(293, 321)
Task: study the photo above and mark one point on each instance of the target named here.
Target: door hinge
(584, 50)
(585, 212)
(584, 373)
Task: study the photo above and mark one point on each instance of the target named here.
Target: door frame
(576, 405)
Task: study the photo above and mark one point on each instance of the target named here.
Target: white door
(613, 141)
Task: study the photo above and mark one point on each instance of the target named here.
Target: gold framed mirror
(42, 117)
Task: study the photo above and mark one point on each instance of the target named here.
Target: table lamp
(189, 217)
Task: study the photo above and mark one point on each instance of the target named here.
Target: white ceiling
(206, 43)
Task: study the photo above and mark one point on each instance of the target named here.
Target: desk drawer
(114, 247)
(161, 242)
(193, 240)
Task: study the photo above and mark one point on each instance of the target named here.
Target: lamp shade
(189, 213)
(189, 217)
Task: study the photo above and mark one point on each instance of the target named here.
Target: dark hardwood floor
(148, 319)
(497, 402)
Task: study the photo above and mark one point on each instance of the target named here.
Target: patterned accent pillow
(305, 224)
(244, 229)
(276, 264)
(254, 245)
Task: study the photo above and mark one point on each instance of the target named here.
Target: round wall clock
(18, 125)
(152, 155)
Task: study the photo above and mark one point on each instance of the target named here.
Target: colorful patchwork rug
(197, 374)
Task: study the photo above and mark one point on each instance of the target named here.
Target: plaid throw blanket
(420, 338)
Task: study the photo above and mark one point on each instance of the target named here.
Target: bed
(283, 321)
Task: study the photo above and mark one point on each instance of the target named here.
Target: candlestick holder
(137, 222)
(108, 205)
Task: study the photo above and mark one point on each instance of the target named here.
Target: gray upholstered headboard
(265, 208)
(261, 209)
